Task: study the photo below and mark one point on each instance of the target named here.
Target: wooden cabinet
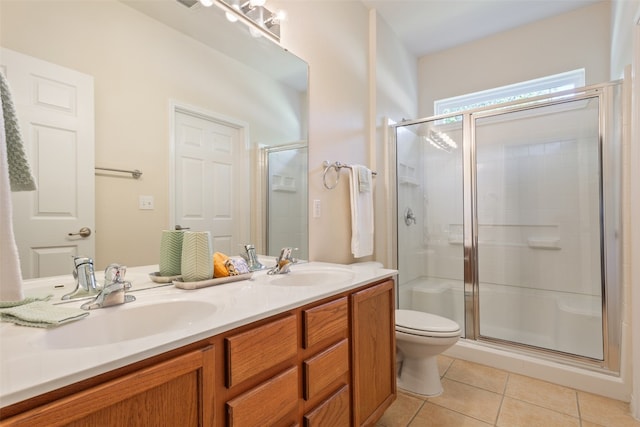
(333, 412)
(273, 402)
(329, 363)
(256, 396)
(176, 392)
(325, 369)
(373, 352)
(256, 350)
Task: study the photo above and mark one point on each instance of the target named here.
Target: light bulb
(230, 17)
(256, 3)
(281, 15)
(206, 3)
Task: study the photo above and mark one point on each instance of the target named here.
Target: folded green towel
(38, 313)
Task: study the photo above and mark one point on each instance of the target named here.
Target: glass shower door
(430, 217)
(539, 231)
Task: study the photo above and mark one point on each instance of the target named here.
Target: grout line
(504, 392)
(416, 413)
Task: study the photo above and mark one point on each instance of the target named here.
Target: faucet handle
(114, 273)
(285, 253)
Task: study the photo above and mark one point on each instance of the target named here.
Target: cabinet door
(325, 368)
(332, 412)
(177, 392)
(373, 354)
(252, 352)
(328, 320)
(272, 403)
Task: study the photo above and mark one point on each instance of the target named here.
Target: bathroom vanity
(314, 347)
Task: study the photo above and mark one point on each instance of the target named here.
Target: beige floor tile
(431, 415)
(589, 424)
(401, 411)
(605, 411)
(468, 400)
(541, 393)
(516, 413)
(444, 362)
(481, 376)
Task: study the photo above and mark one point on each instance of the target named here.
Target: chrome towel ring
(336, 166)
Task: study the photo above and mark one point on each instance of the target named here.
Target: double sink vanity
(314, 347)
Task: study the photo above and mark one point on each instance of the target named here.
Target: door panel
(55, 107)
(208, 169)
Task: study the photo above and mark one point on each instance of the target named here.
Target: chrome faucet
(86, 284)
(284, 261)
(114, 290)
(251, 258)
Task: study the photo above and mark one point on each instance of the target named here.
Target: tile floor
(478, 395)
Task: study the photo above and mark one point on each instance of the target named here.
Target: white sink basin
(128, 322)
(313, 277)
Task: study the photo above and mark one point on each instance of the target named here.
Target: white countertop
(35, 361)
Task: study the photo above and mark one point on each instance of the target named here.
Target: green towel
(38, 313)
(20, 175)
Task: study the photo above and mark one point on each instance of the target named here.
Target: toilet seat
(425, 324)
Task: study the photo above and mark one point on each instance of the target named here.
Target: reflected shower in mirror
(286, 199)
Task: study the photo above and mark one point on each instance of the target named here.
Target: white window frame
(528, 89)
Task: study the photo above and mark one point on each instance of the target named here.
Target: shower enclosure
(509, 223)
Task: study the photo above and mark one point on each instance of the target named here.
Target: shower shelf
(543, 243)
(408, 180)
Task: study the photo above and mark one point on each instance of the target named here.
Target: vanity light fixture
(254, 13)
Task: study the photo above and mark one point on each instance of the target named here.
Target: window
(514, 92)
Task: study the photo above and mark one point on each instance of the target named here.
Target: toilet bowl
(420, 338)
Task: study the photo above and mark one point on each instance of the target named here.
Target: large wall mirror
(172, 85)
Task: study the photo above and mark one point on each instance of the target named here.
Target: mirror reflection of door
(210, 178)
(55, 107)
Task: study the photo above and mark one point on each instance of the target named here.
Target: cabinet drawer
(266, 404)
(325, 321)
(325, 368)
(252, 352)
(332, 412)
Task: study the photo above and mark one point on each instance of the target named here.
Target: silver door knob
(83, 232)
(179, 227)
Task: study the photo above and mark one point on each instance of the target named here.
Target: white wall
(339, 40)
(624, 16)
(396, 81)
(333, 38)
(566, 42)
(139, 66)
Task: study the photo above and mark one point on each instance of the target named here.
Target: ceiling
(428, 26)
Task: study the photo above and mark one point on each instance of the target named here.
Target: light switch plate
(317, 209)
(145, 203)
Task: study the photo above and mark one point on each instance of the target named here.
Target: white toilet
(420, 338)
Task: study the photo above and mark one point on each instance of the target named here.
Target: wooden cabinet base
(327, 363)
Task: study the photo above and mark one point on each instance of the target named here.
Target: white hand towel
(10, 275)
(361, 213)
(364, 179)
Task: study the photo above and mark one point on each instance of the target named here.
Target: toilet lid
(425, 324)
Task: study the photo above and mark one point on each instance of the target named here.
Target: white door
(56, 114)
(211, 179)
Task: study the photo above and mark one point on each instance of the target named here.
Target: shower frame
(611, 275)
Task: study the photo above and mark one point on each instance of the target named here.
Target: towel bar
(134, 173)
(336, 166)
